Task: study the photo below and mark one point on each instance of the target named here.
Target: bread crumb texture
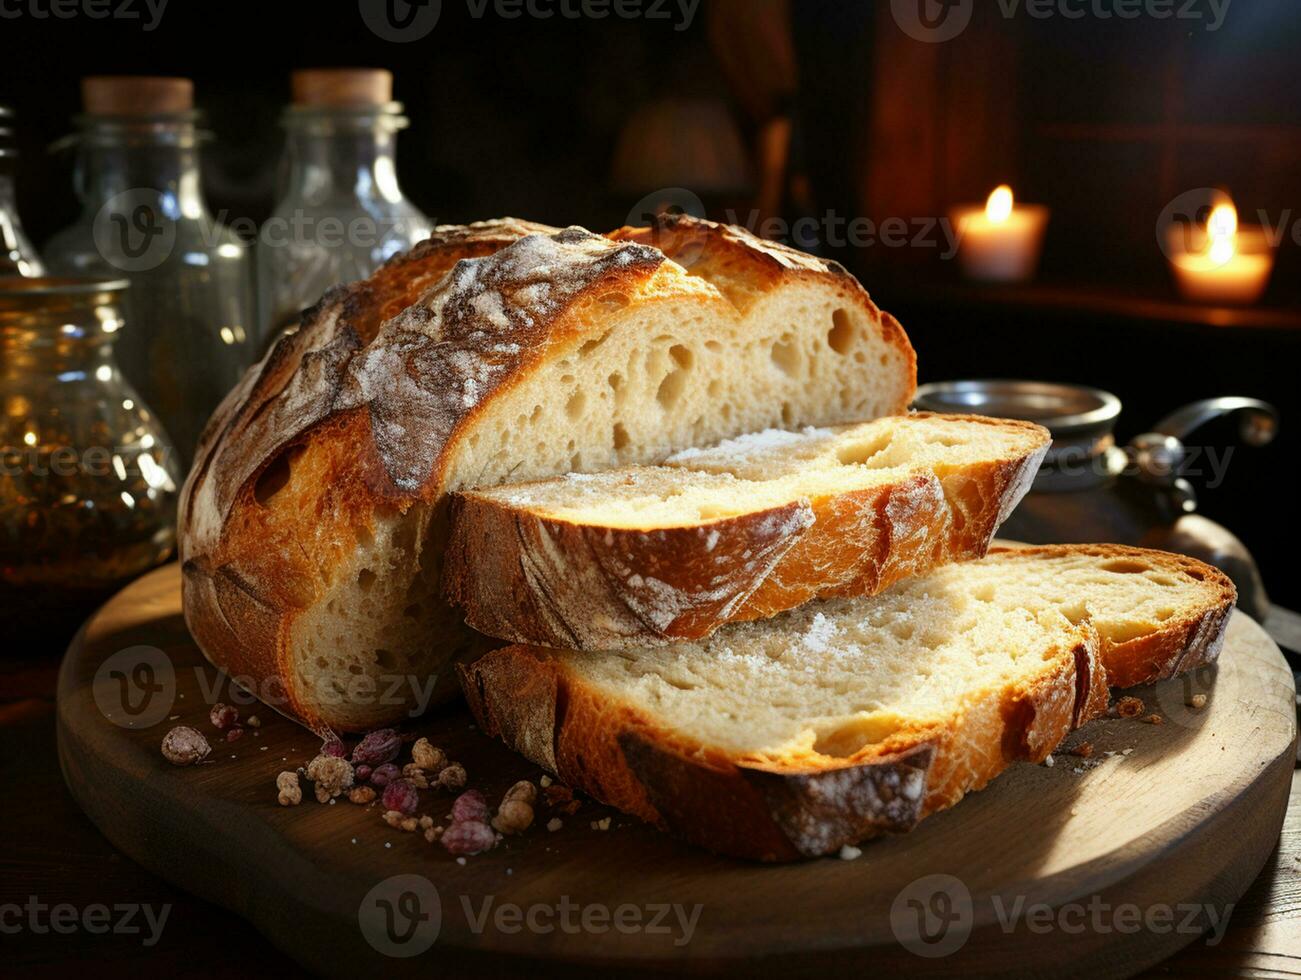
(827, 680)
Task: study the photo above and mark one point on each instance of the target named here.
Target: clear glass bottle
(17, 257)
(191, 302)
(88, 478)
(342, 213)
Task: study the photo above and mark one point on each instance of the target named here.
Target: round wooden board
(1183, 815)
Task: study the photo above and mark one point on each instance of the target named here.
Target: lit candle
(1225, 263)
(1000, 242)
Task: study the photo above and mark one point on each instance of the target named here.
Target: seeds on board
(1129, 707)
(183, 746)
(291, 794)
(473, 825)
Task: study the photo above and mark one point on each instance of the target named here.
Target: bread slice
(313, 524)
(848, 718)
(747, 529)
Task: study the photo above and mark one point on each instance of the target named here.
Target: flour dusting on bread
(441, 357)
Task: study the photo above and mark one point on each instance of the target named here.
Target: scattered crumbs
(1153, 720)
(387, 844)
(172, 717)
(1129, 707)
(1075, 811)
(332, 801)
(850, 853)
(1197, 701)
(264, 748)
(1126, 751)
(354, 840)
(545, 780)
(510, 871)
(1084, 750)
(1049, 761)
(554, 824)
(603, 823)
(1078, 770)
(461, 861)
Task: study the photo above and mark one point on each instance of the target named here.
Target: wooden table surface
(51, 852)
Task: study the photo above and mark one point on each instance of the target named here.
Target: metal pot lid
(1063, 409)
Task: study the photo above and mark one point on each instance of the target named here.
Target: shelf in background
(1118, 302)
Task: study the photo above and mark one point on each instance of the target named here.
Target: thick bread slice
(744, 530)
(848, 718)
(313, 524)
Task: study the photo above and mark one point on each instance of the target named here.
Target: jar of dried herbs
(88, 478)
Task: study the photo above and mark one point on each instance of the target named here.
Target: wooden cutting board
(1097, 867)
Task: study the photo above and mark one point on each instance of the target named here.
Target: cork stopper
(135, 95)
(342, 87)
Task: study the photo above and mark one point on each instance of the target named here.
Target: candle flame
(1222, 229)
(999, 206)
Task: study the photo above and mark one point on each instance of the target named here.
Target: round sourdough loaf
(313, 523)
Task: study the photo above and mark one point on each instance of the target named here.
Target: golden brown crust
(369, 399)
(249, 570)
(529, 579)
(617, 753)
(525, 577)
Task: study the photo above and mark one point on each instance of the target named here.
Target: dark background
(1104, 120)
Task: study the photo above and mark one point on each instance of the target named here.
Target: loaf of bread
(313, 524)
(743, 530)
(848, 718)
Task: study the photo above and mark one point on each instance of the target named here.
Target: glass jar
(17, 257)
(342, 212)
(88, 478)
(191, 302)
